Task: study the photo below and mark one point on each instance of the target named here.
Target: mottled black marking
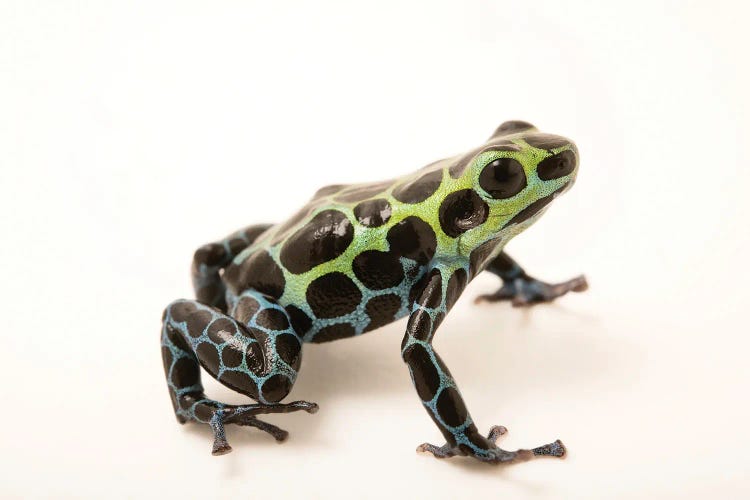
(378, 270)
(477, 439)
(461, 211)
(212, 254)
(382, 310)
(419, 189)
(417, 287)
(557, 166)
(197, 322)
(533, 208)
(420, 325)
(479, 255)
(324, 238)
(181, 311)
(432, 294)
(236, 245)
(246, 309)
(373, 213)
(332, 295)
(301, 322)
(259, 272)
(456, 285)
(363, 192)
(254, 358)
(546, 141)
(272, 319)
(239, 381)
(231, 356)
(503, 178)
(185, 373)
(413, 238)
(288, 347)
(275, 388)
(208, 356)
(166, 357)
(423, 371)
(328, 190)
(451, 407)
(221, 330)
(334, 332)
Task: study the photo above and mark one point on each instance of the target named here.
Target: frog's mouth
(537, 206)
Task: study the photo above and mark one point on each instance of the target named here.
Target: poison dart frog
(355, 258)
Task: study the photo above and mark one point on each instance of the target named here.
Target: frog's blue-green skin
(358, 257)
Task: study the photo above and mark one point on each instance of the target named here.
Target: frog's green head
(516, 173)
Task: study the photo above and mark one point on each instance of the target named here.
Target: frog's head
(516, 174)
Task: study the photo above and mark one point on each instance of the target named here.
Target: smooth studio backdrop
(133, 132)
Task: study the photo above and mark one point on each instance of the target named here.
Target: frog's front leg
(436, 387)
(524, 290)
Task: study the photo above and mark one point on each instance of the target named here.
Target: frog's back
(348, 261)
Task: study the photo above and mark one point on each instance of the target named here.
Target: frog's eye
(503, 178)
(557, 166)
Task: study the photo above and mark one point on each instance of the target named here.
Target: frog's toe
(523, 292)
(444, 451)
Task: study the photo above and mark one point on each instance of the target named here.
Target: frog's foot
(526, 291)
(245, 415)
(485, 450)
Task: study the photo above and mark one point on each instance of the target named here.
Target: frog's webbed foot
(491, 453)
(245, 415)
(526, 291)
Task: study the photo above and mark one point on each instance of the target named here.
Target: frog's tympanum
(355, 258)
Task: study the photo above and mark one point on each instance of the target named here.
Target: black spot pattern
(413, 238)
(420, 325)
(456, 285)
(461, 211)
(419, 189)
(254, 358)
(373, 213)
(197, 321)
(557, 166)
(246, 309)
(432, 294)
(185, 373)
(378, 270)
(546, 141)
(426, 377)
(332, 295)
(334, 332)
(503, 178)
(181, 310)
(451, 407)
(208, 356)
(221, 330)
(533, 208)
(272, 319)
(324, 238)
(276, 387)
(259, 272)
(382, 310)
(328, 190)
(239, 381)
(231, 356)
(236, 245)
(417, 287)
(212, 254)
(301, 322)
(480, 254)
(288, 347)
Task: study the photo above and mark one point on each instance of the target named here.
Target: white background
(133, 132)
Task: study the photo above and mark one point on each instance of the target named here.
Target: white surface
(132, 133)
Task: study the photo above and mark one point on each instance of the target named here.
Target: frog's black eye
(556, 166)
(503, 178)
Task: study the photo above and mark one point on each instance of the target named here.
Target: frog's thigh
(259, 359)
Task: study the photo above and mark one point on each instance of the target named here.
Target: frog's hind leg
(211, 258)
(259, 359)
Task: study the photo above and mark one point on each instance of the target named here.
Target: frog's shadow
(534, 359)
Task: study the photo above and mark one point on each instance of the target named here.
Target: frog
(357, 257)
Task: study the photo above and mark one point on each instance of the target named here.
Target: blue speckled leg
(257, 355)
(437, 388)
(211, 258)
(523, 290)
